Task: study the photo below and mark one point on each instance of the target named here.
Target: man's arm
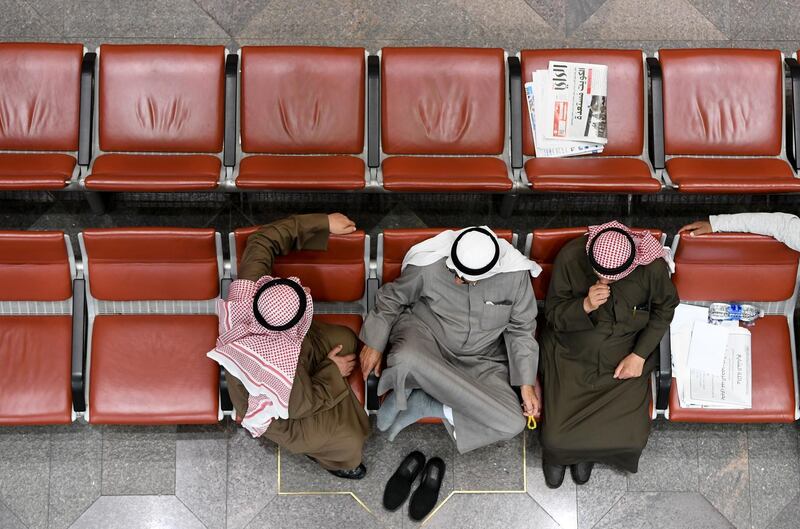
(782, 226)
(317, 392)
(523, 351)
(564, 310)
(663, 300)
(298, 232)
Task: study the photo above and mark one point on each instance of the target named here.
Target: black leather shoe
(399, 485)
(354, 473)
(427, 494)
(581, 472)
(553, 474)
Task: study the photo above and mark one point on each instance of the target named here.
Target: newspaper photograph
(575, 105)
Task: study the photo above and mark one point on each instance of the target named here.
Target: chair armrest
(515, 102)
(792, 119)
(655, 113)
(373, 402)
(225, 401)
(224, 287)
(231, 94)
(86, 123)
(79, 329)
(373, 111)
(663, 373)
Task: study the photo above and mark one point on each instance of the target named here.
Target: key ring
(532, 422)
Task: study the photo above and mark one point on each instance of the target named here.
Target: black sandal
(427, 494)
(399, 485)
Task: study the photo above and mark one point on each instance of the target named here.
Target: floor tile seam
(701, 493)
(213, 19)
(256, 515)
(548, 512)
(791, 503)
(32, 7)
(754, 16)
(14, 514)
(609, 509)
(191, 511)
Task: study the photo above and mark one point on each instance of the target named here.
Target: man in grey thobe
(459, 323)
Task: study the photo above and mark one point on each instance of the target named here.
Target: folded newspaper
(567, 109)
(711, 364)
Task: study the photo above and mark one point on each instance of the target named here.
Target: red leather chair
(36, 327)
(443, 120)
(152, 294)
(41, 100)
(161, 112)
(302, 116)
(739, 267)
(392, 248)
(337, 278)
(543, 246)
(621, 168)
(723, 115)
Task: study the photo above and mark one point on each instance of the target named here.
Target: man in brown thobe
(326, 421)
(609, 304)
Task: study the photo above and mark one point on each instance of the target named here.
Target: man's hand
(598, 294)
(630, 367)
(531, 400)
(340, 225)
(344, 363)
(370, 360)
(701, 227)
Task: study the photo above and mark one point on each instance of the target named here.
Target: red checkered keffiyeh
(263, 360)
(613, 246)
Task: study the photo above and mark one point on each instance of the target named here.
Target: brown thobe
(326, 420)
(589, 416)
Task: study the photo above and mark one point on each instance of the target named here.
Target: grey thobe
(465, 345)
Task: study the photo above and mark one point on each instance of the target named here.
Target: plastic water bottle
(747, 314)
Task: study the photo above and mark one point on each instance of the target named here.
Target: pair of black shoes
(427, 494)
(554, 474)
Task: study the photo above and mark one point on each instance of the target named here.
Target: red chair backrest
(298, 99)
(40, 89)
(722, 101)
(131, 264)
(396, 244)
(443, 100)
(34, 266)
(734, 267)
(166, 98)
(625, 94)
(545, 245)
(337, 274)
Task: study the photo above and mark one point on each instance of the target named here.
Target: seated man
(285, 372)
(609, 304)
(460, 320)
(781, 226)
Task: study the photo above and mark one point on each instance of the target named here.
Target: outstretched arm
(782, 226)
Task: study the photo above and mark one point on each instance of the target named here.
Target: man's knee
(510, 423)
(406, 354)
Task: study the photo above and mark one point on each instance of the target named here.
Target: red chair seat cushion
(34, 171)
(732, 175)
(35, 355)
(353, 322)
(773, 381)
(153, 369)
(301, 172)
(422, 173)
(583, 174)
(154, 173)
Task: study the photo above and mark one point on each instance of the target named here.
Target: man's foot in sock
(388, 411)
(420, 405)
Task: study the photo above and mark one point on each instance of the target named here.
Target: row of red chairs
(155, 118)
(121, 336)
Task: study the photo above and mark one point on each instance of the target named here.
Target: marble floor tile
(75, 473)
(25, 473)
(561, 503)
(669, 461)
(201, 464)
(597, 497)
(724, 476)
(319, 512)
(788, 518)
(774, 466)
(138, 460)
(497, 467)
(490, 511)
(252, 476)
(136, 512)
(664, 510)
(9, 520)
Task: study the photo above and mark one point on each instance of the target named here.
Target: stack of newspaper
(567, 109)
(711, 363)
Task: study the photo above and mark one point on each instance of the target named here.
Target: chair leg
(507, 205)
(97, 202)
